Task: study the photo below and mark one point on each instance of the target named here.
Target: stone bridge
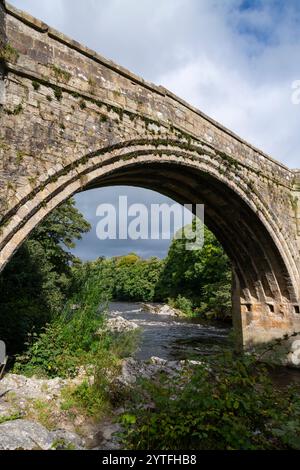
(72, 120)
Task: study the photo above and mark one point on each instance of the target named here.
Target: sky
(236, 60)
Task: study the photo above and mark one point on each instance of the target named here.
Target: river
(174, 338)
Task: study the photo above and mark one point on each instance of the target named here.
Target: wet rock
(119, 325)
(162, 309)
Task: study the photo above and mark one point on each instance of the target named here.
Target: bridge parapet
(296, 205)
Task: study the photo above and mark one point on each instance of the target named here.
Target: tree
(35, 284)
(203, 276)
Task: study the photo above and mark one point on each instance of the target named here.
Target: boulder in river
(119, 325)
(162, 309)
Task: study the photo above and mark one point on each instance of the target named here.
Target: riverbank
(178, 390)
(42, 413)
(37, 414)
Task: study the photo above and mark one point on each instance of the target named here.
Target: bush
(183, 304)
(36, 282)
(227, 404)
(96, 395)
(69, 340)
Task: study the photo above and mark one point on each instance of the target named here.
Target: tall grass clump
(69, 340)
(100, 392)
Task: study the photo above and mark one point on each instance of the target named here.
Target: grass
(98, 393)
(42, 411)
(61, 444)
(9, 53)
(12, 417)
(60, 74)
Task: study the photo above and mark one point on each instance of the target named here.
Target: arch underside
(256, 260)
(263, 295)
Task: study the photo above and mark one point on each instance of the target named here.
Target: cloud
(90, 247)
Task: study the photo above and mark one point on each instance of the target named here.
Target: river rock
(119, 325)
(162, 309)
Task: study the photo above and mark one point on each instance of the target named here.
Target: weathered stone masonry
(72, 120)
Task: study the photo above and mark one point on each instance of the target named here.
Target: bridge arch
(238, 218)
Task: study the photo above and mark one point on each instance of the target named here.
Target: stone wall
(296, 205)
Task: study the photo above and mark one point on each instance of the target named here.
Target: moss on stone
(103, 118)
(36, 85)
(92, 85)
(19, 156)
(57, 93)
(9, 54)
(60, 74)
(82, 104)
(17, 110)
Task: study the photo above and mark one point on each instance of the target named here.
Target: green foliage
(126, 278)
(97, 396)
(35, 284)
(196, 282)
(60, 74)
(61, 444)
(36, 85)
(58, 232)
(67, 341)
(203, 276)
(136, 278)
(82, 104)
(17, 110)
(183, 304)
(70, 340)
(9, 53)
(57, 93)
(12, 417)
(226, 404)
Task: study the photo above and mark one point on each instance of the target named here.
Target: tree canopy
(35, 284)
